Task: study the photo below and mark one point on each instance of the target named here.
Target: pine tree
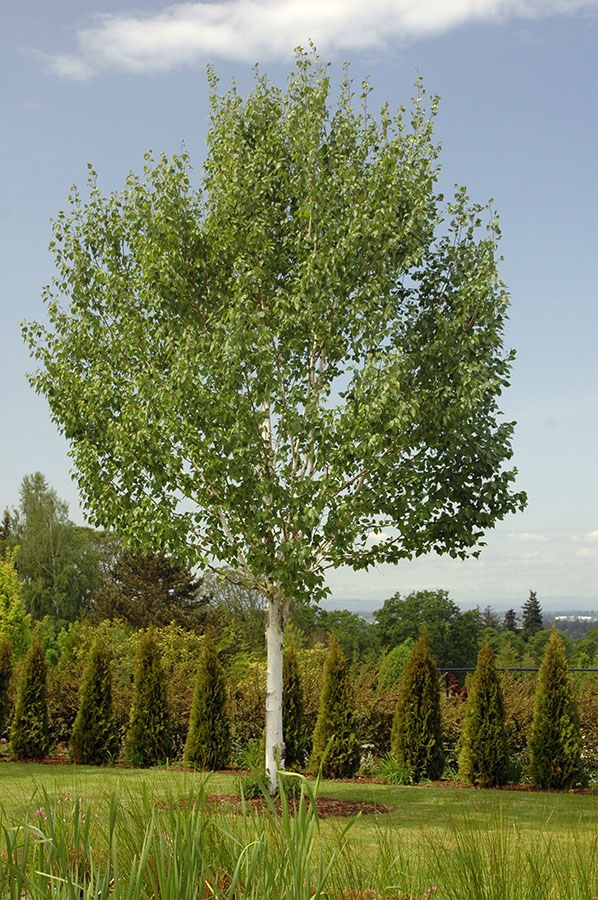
(416, 738)
(510, 621)
(531, 621)
(293, 724)
(484, 755)
(208, 741)
(149, 738)
(554, 743)
(94, 740)
(30, 734)
(150, 589)
(335, 722)
(488, 618)
(5, 677)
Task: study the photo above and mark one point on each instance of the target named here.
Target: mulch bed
(326, 806)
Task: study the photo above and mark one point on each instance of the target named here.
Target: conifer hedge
(335, 722)
(94, 740)
(484, 754)
(208, 742)
(293, 719)
(416, 739)
(5, 678)
(149, 738)
(30, 733)
(554, 743)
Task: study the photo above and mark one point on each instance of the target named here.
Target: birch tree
(292, 363)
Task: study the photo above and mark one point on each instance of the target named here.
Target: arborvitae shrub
(208, 743)
(30, 733)
(484, 754)
(5, 676)
(149, 738)
(293, 720)
(94, 740)
(416, 739)
(554, 744)
(335, 720)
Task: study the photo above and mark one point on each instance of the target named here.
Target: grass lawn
(24, 784)
(465, 844)
(429, 806)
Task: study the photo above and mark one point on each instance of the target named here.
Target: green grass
(431, 806)
(71, 832)
(21, 781)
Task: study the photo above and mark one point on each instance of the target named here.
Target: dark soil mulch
(326, 806)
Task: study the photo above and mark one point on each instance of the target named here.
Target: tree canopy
(59, 563)
(295, 365)
(201, 354)
(452, 635)
(150, 590)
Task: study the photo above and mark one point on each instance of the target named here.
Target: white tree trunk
(274, 738)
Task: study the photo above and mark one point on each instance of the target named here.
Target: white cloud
(587, 553)
(378, 537)
(530, 537)
(262, 30)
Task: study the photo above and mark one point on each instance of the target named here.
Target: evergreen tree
(488, 619)
(149, 738)
(5, 676)
(151, 589)
(510, 621)
(416, 738)
(208, 741)
(484, 755)
(293, 723)
(30, 734)
(335, 720)
(15, 622)
(554, 743)
(94, 740)
(531, 620)
(6, 535)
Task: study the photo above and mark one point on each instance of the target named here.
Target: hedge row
(97, 705)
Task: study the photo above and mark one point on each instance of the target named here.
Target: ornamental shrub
(416, 739)
(554, 743)
(94, 740)
(14, 619)
(335, 723)
(5, 677)
(30, 733)
(484, 754)
(208, 743)
(293, 719)
(392, 664)
(149, 738)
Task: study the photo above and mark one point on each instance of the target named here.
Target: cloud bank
(189, 34)
(560, 566)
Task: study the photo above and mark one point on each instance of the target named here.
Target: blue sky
(101, 81)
